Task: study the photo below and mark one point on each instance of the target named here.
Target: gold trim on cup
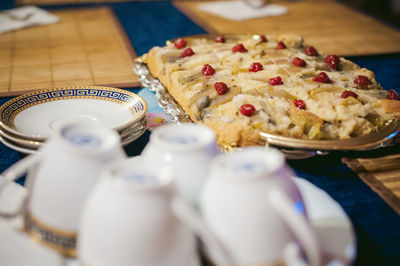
(62, 241)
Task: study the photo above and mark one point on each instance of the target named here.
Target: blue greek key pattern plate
(127, 100)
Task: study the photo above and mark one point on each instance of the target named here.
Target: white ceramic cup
(129, 219)
(185, 150)
(252, 206)
(59, 179)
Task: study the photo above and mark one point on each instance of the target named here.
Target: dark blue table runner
(377, 226)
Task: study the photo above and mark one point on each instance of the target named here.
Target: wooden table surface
(87, 47)
(328, 25)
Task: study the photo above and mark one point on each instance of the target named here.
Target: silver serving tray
(293, 148)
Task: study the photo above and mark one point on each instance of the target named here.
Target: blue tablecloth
(377, 226)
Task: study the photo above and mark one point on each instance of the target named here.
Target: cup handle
(294, 216)
(292, 255)
(12, 173)
(195, 223)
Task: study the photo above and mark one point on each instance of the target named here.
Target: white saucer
(333, 227)
(134, 128)
(17, 147)
(328, 218)
(33, 143)
(36, 115)
(29, 146)
(134, 135)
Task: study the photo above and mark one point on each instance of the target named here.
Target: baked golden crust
(327, 115)
(391, 106)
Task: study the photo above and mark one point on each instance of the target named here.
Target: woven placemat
(330, 26)
(87, 47)
(381, 174)
(62, 2)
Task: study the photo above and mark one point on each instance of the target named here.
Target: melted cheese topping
(327, 115)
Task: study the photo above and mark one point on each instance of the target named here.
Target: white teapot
(254, 209)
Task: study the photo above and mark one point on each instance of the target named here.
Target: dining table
(376, 224)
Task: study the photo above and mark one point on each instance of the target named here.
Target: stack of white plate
(27, 121)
